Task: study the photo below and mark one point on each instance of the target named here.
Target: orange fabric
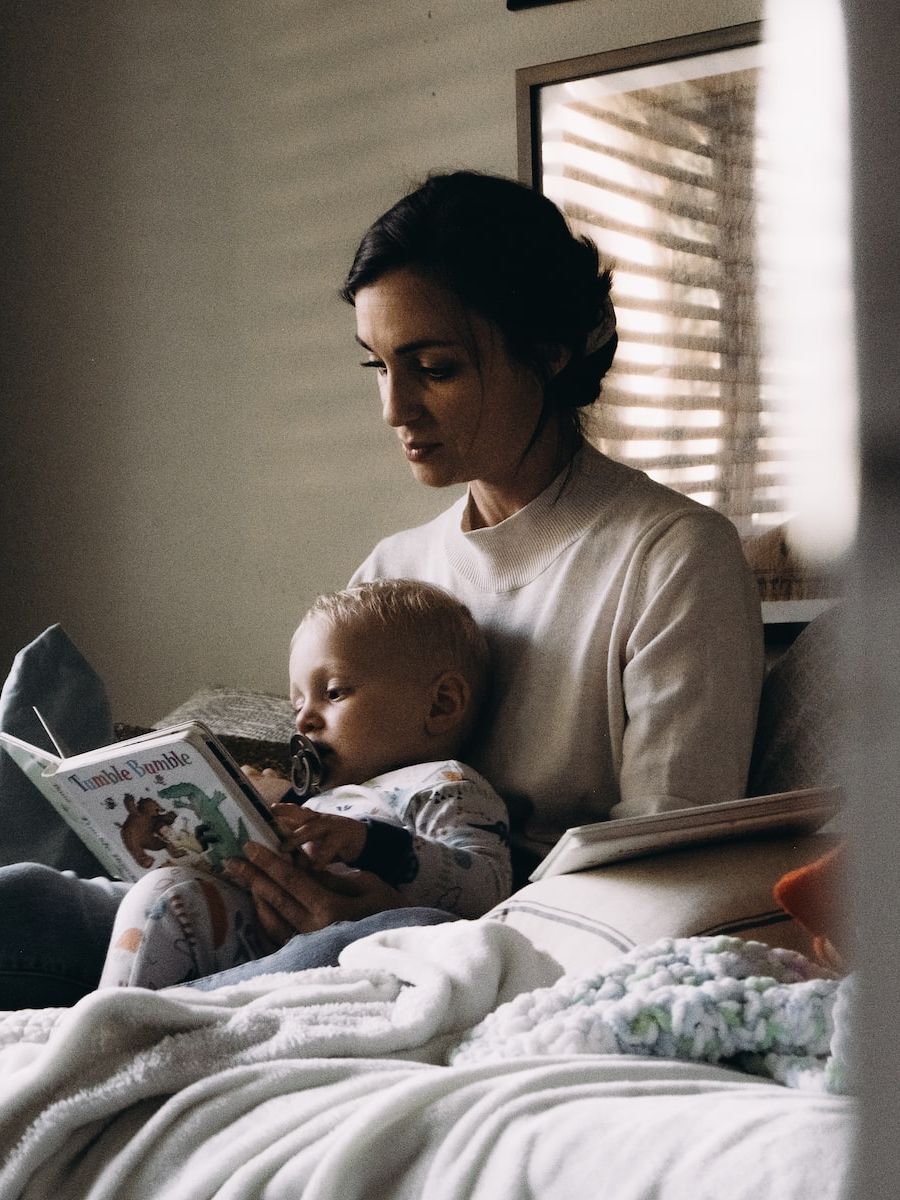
(814, 896)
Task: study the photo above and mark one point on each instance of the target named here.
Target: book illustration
(145, 828)
(200, 833)
(216, 836)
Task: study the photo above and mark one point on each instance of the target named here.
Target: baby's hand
(323, 837)
(270, 785)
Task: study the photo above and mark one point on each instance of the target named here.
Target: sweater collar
(513, 553)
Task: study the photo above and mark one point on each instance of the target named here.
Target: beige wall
(189, 451)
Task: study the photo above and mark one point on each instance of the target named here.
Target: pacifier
(307, 770)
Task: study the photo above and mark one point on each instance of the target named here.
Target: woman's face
(463, 409)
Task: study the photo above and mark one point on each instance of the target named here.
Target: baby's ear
(450, 699)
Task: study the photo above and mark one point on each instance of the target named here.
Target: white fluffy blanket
(334, 1084)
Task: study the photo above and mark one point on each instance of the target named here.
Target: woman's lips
(419, 451)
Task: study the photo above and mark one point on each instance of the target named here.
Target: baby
(387, 680)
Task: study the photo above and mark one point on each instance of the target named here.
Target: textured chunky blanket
(334, 1083)
(710, 999)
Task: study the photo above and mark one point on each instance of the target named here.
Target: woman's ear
(449, 703)
(556, 358)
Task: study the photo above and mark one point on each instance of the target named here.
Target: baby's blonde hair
(434, 627)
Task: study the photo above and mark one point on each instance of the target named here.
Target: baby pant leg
(177, 924)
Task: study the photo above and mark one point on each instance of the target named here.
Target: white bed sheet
(563, 1129)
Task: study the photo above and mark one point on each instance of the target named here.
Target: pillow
(237, 713)
(52, 674)
(799, 730)
(254, 727)
(592, 917)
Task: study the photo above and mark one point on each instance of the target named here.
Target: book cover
(604, 842)
(171, 797)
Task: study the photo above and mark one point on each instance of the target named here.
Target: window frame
(530, 80)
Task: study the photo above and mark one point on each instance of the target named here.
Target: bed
(653, 1029)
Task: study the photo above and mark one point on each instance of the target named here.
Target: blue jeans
(321, 949)
(55, 930)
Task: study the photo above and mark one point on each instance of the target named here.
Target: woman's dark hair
(505, 252)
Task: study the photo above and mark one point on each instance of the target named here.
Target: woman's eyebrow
(411, 347)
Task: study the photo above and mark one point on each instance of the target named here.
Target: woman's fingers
(303, 901)
(274, 926)
(275, 883)
(278, 912)
(271, 785)
(300, 904)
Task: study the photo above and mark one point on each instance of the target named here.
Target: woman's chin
(435, 474)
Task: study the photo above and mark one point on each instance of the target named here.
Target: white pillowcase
(593, 917)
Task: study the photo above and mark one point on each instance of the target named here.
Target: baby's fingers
(293, 817)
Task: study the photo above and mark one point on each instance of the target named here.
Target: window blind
(663, 179)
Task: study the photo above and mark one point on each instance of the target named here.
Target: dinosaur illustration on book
(217, 837)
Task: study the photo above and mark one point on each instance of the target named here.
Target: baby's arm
(460, 845)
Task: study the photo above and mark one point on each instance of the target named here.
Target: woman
(623, 621)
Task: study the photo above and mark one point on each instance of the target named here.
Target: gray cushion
(51, 674)
(236, 712)
(800, 728)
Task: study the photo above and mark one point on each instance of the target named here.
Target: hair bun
(600, 335)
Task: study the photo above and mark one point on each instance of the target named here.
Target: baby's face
(358, 701)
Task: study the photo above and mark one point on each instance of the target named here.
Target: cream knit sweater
(626, 638)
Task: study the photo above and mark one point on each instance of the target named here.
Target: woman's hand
(323, 837)
(290, 898)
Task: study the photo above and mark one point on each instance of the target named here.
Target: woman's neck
(492, 501)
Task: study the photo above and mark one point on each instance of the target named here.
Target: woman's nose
(399, 402)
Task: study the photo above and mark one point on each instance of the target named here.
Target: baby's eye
(336, 693)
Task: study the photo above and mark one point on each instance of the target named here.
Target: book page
(32, 760)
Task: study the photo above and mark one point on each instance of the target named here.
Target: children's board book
(171, 797)
(606, 842)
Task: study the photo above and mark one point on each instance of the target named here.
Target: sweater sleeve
(460, 843)
(692, 672)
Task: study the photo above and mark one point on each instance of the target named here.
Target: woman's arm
(692, 671)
